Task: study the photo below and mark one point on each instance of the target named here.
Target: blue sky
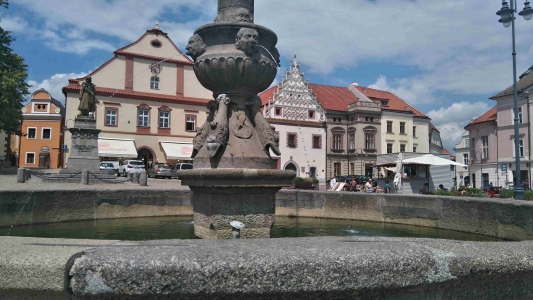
(444, 57)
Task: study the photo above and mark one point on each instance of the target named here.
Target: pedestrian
(332, 183)
(387, 187)
(491, 192)
(369, 187)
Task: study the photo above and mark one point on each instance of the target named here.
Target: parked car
(178, 167)
(107, 167)
(160, 170)
(129, 166)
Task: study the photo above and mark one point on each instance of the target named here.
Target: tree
(13, 86)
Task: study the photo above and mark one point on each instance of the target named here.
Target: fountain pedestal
(224, 195)
(84, 149)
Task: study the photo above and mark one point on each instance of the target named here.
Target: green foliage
(297, 179)
(13, 86)
(315, 180)
(442, 193)
(507, 194)
(528, 195)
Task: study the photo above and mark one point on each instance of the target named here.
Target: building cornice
(295, 122)
(154, 58)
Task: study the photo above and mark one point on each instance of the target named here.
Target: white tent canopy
(430, 159)
(177, 150)
(117, 148)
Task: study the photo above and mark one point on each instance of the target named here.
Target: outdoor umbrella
(430, 159)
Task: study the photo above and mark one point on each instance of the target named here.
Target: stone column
(21, 175)
(85, 177)
(144, 179)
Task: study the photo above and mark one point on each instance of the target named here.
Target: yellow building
(42, 124)
(149, 102)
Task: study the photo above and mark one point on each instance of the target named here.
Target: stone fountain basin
(303, 268)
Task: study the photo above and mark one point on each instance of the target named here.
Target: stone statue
(235, 11)
(196, 46)
(202, 132)
(87, 98)
(218, 132)
(265, 132)
(247, 40)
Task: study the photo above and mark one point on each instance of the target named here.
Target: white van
(178, 167)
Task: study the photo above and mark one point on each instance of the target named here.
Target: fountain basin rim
(238, 177)
(238, 25)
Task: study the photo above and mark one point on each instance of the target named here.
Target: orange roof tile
(267, 94)
(444, 151)
(333, 97)
(395, 103)
(486, 117)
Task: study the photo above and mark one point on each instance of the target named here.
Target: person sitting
(387, 187)
(441, 187)
(353, 185)
(369, 187)
(332, 183)
(491, 192)
(425, 188)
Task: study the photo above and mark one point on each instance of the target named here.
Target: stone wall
(507, 219)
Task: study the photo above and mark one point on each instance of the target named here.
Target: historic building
(484, 150)
(462, 154)
(299, 120)
(435, 142)
(42, 124)
(149, 102)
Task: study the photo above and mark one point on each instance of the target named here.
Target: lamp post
(507, 19)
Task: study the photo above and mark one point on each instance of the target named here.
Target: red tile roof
(395, 103)
(338, 98)
(444, 151)
(486, 117)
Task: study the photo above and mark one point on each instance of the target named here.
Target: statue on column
(87, 98)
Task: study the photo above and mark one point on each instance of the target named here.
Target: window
(472, 149)
(465, 159)
(389, 147)
(32, 132)
(155, 43)
(337, 169)
(47, 134)
(311, 114)
(521, 147)
(485, 142)
(384, 103)
(414, 149)
(389, 126)
(351, 137)
(402, 147)
(352, 168)
(164, 119)
(154, 83)
(40, 108)
(144, 118)
(369, 119)
(467, 144)
(519, 115)
(337, 140)
(414, 131)
(317, 142)
(402, 127)
(278, 111)
(111, 117)
(291, 140)
(370, 138)
(190, 123)
(30, 158)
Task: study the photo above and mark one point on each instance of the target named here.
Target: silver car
(160, 170)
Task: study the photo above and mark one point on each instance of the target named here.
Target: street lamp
(507, 18)
(481, 163)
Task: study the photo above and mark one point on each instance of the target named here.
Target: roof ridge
(408, 104)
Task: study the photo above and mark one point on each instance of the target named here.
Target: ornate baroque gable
(294, 100)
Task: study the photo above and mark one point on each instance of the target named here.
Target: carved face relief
(247, 40)
(241, 14)
(196, 46)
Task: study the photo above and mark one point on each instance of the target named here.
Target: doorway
(147, 157)
(44, 160)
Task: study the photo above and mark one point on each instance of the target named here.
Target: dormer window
(278, 111)
(154, 83)
(384, 103)
(311, 114)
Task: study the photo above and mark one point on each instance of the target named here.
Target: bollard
(85, 177)
(144, 179)
(28, 174)
(130, 176)
(135, 178)
(21, 175)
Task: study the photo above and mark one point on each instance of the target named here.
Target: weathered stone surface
(306, 268)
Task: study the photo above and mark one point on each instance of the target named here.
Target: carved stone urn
(233, 177)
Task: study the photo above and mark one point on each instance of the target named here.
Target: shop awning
(117, 148)
(177, 150)
(430, 159)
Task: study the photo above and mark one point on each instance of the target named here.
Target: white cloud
(451, 120)
(54, 84)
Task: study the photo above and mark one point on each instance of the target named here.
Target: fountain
(233, 179)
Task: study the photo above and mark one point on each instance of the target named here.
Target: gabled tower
(294, 99)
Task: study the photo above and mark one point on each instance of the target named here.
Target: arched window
(154, 83)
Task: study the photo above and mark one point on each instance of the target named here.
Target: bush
(316, 181)
(442, 193)
(506, 194)
(528, 195)
(473, 192)
(297, 179)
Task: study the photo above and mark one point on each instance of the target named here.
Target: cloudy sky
(444, 57)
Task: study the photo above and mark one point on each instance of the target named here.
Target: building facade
(42, 124)
(299, 121)
(462, 154)
(149, 102)
(435, 141)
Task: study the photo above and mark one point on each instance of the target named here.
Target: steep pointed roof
(489, 116)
